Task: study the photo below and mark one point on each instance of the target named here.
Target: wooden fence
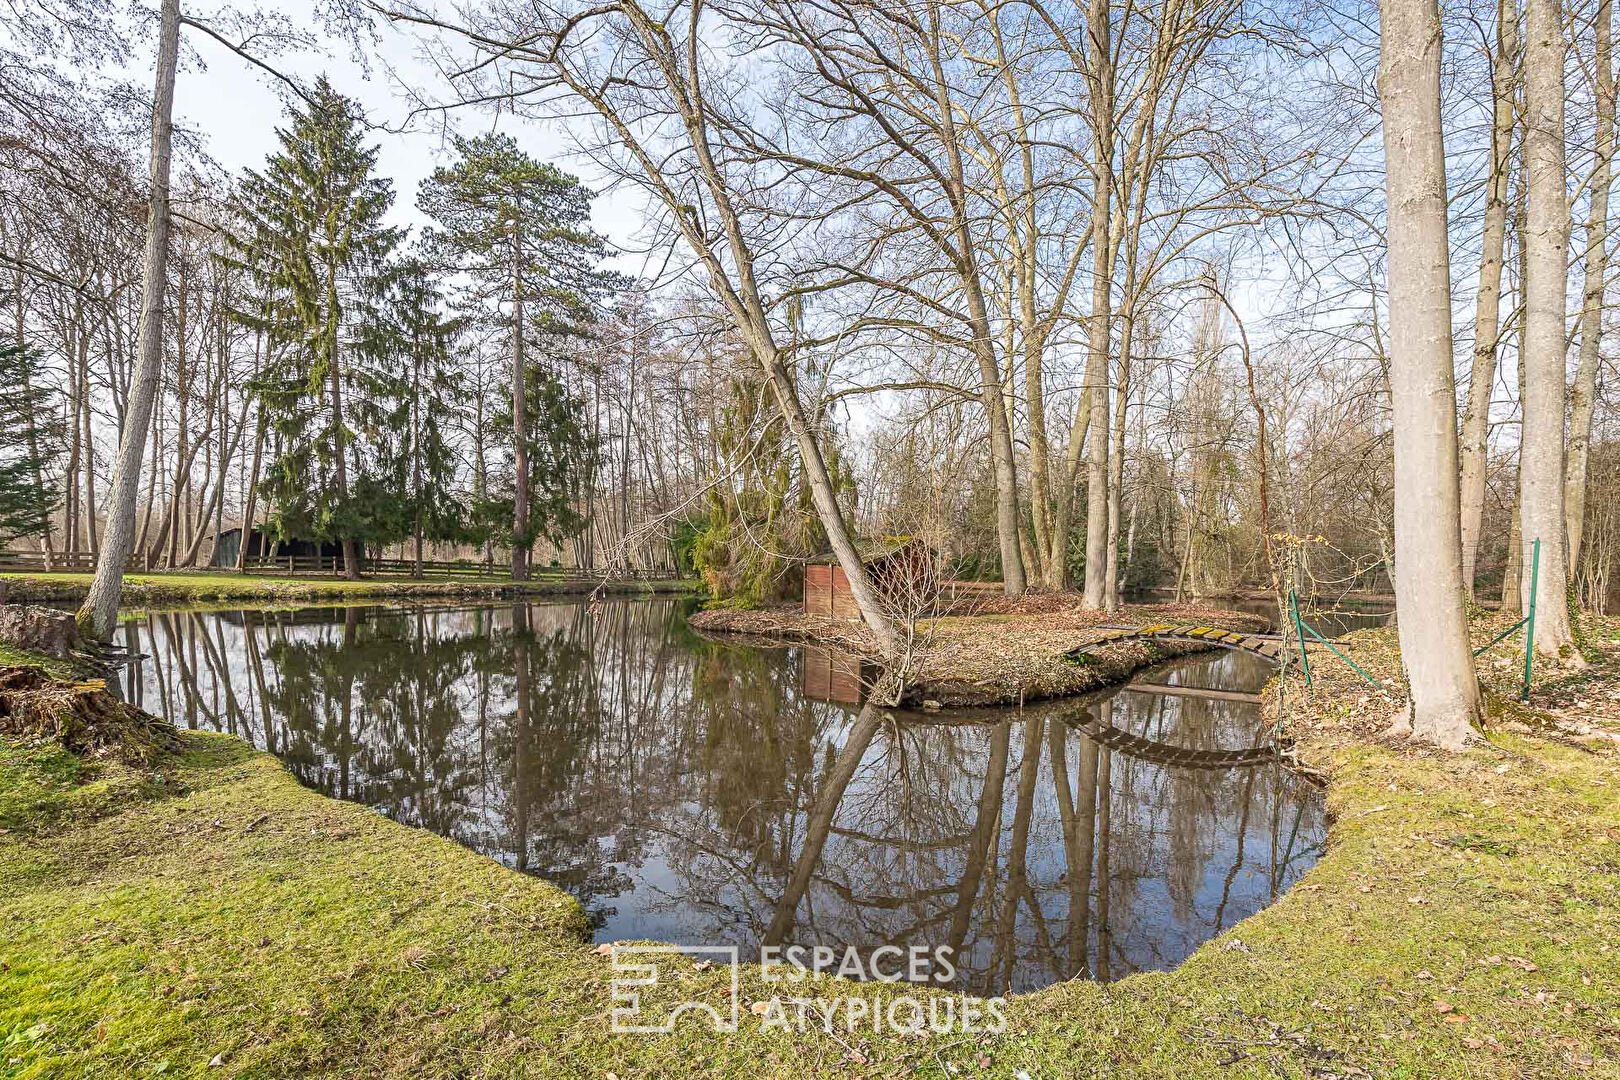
(957, 588)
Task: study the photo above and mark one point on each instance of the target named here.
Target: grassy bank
(174, 589)
(1463, 923)
(1012, 655)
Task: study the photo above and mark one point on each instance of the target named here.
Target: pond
(700, 792)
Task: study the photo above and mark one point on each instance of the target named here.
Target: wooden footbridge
(1268, 646)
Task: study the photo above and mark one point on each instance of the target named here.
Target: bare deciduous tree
(1428, 572)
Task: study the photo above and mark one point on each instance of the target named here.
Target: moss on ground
(179, 588)
(1464, 922)
(11, 656)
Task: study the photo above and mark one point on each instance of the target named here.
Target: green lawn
(1464, 922)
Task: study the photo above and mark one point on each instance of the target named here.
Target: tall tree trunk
(480, 466)
(1583, 396)
(520, 430)
(1063, 499)
(1488, 301)
(340, 449)
(1116, 461)
(1433, 625)
(99, 615)
(1546, 239)
(416, 451)
(1512, 571)
(1097, 373)
(72, 481)
(89, 446)
(184, 449)
(224, 414)
(983, 345)
(252, 492)
(151, 489)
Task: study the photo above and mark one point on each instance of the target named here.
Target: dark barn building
(228, 543)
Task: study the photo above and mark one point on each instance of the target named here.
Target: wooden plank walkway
(1195, 692)
(1266, 646)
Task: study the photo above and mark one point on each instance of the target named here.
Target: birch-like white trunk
(1546, 243)
(99, 615)
(1433, 624)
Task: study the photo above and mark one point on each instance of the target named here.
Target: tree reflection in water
(691, 791)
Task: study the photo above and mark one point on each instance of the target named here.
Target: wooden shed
(903, 563)
(263, 548)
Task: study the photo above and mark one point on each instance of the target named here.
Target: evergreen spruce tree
(561, 456)
(412, 340)
(32, 442)
(318, 252)
(520, 230)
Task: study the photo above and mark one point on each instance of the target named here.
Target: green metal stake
(1343, 657)
(1530, 619)
(1299, 632)
(1512, 629)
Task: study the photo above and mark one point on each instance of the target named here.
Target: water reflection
(691, 791)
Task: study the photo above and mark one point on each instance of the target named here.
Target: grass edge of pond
(235, 914)
(165, 589)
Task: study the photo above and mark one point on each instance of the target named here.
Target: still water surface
(692, 791)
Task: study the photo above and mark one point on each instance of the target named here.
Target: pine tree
(520, 230)
(31, 446)
(318, 251)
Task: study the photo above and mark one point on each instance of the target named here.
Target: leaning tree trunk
(1583, 395)
(99, 615)
(1488, 300)
(1546, 239)
(1445, 699)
